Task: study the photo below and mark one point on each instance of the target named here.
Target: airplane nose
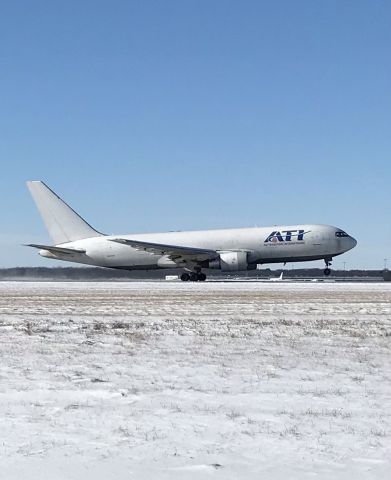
(353, 242)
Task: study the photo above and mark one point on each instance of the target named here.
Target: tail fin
(63, 223)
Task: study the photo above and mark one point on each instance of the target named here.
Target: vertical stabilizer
(63, 223)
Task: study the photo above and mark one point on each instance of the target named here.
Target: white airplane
(226, 249)
(277, 279)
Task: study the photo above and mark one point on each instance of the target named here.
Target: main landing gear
(327, 270)
(193, 277)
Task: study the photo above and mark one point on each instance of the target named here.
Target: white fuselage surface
(317, 242)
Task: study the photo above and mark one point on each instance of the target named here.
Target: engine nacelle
(231, 262)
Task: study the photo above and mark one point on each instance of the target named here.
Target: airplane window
(341, 234)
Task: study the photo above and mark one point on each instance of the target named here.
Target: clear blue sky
(167, 115)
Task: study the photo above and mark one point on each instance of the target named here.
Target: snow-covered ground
(207, 380)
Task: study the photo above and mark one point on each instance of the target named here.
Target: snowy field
(201, 380)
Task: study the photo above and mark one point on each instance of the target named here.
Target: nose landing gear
(327, 270)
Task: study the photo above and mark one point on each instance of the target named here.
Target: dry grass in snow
(171, 380)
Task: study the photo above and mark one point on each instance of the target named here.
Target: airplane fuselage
(292, 243)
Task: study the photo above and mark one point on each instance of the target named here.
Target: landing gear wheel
(201, 277)
(327, 271)
(193, 277)
(185, 277)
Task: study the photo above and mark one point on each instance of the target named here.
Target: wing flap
(175, 252)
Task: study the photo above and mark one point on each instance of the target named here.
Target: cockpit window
(341, 234)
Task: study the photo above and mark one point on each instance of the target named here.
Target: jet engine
(231, 262)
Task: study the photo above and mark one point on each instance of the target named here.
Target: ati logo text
(286, 236)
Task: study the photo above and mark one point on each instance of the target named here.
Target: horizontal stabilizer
(173, 251)
(54, 249)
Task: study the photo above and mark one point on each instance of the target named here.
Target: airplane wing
(54, 249)
(174, 252)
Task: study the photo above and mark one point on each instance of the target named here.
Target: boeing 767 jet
(228, 250)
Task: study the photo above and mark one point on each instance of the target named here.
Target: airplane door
(318, 242)
(316, 239)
